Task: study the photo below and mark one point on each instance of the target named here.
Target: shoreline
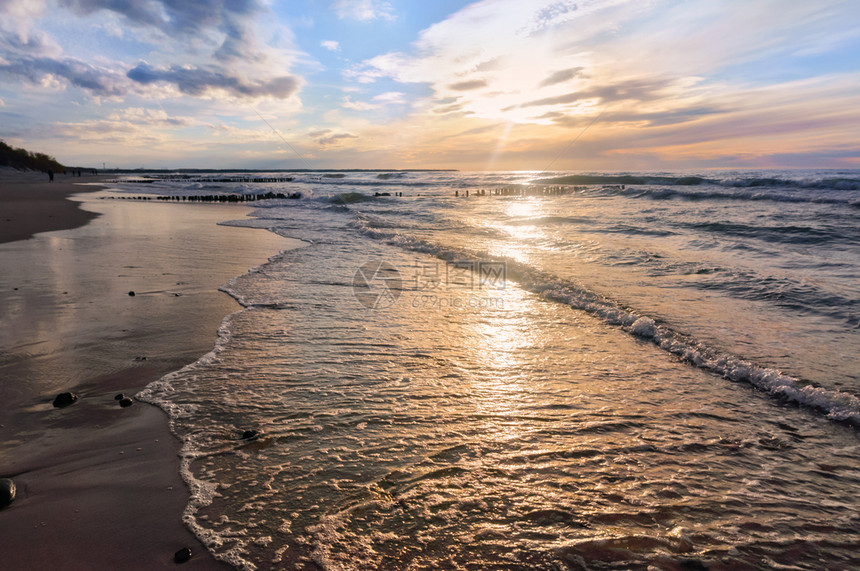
(99, 485)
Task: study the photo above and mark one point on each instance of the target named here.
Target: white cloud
(378, 101)
(390, 97)
(363, 10)
(494, 55)
(331, 45)
(336, 139)
(357, 105)
(517, 61)
(22, 11)
(153, 117)
(227, 49)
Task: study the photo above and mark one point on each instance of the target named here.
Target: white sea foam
(163, 393)
(836, 405)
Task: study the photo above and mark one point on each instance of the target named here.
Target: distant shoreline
(195, 170)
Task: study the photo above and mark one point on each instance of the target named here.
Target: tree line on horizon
(24, 159)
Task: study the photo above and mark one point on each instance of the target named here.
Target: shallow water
(661, 375)
(64, 306)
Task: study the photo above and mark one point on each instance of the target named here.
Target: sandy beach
(99, 485)
(33, 204)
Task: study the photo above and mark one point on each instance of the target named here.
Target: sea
(529, 370)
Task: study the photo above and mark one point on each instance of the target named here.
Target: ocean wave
(835, 405)
(739, 193)
(162, 393)
(349, 198)
(627, 179)
(824, 183)
(787, 293)
(786, 234)
(834, 183)
(548, 220)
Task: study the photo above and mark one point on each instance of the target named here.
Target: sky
(585, 85)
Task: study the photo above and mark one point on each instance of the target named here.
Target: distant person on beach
(50, 175)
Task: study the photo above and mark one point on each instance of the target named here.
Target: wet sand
(99, 485)
(30, 204)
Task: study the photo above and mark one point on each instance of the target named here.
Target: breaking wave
(835, 405)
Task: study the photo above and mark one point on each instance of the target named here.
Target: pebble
(250, 434)
(131, 294)
(7, 492)
(126, 402)
(182, 555)
(64, 399)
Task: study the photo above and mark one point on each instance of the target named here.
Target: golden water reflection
(500, 343)
(517, 214)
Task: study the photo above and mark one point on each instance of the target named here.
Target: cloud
(492, 50)
(217, 39)
(197, 81)
(445, 109)
(22, 10)
(47, 71)
(173, 15)
(468, 85)
(335, 139)
(237, 64)
(669, 81)
(38, 60)
(229, 23)
(390, 97)
(378, 101)
(503, 57)
(653, 72)
(152, 117)
(638, 90)
(561, 76)
(32, 45)
(363, 10)
(157, 131)
(357, 105)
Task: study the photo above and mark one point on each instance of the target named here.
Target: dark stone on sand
(7, 492)
(65, 399)
(250, 434)
(126, 402)
(120, 396)
(131, 293)
(182, 555)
